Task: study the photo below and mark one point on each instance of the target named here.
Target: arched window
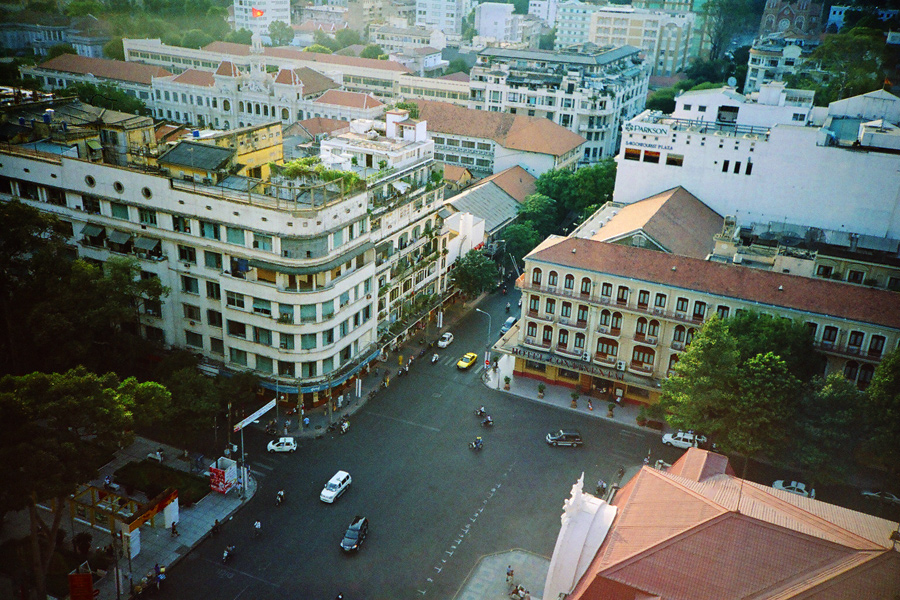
(672, 360)
(690, 335)
(851, 370)
(653, 328)
(225, 125)
(265, 110)
(622, 295)
(643, 356)
(552, 279)
(585, 286)
(531, 329)
(865, 376)
(536, 277)
(616, 323)
(679, 335)
(241, 106)
(604, 318)
(285, 114)
(257, 108)
(226, 105)
(569, 282)
(579, 341)
(607, 348)
(547, 336)
(641, 329)
(566, 310)
(563, 338)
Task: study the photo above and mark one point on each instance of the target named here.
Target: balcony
(537, 344)
(677, 345)
(640, 368)
(605, 359)
(849, 351)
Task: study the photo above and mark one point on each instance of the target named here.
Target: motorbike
(229, 552)
(480, 412)
(487, 422)
(279, 498)
(345, 426)
(290, 411)
(478, 444)
(507, 307)
(434, 358)
(422, 353)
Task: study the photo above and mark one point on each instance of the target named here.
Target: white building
(836, 13)
(445, 15)
(401, 39)
(573, 23)
(590, 92)
(257, 15)
(421, 61)
(494, 20)
(665, 38)
(774, 104)
(775, 57)
(545, 10)
(837, 171)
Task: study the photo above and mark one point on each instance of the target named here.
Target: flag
(255, 12)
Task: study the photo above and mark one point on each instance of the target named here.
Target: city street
(435, 506)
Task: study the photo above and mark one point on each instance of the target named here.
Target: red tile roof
(313, 81)
(107, 69)
(703, 534)
(195, 77)
(458, 76)
(813, 295)
(234, 49)
(319, 125)
(517, 132)
(228, 68)
(515, 181)
(349, 99)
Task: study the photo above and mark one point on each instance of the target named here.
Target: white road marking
(435, 429)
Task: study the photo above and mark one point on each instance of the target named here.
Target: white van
(336, 486)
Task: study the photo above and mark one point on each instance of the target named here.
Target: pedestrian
(215, 527)
(590, 404)
(175, 529)
(156, 568)
(285, 427)
(305, 422)
(509, 573)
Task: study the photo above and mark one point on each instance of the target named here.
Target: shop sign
(566, 363)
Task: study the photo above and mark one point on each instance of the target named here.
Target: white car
(683, 439)
(336, 486)
(445, 340)
(882, 497)
(794, 487)
(285, 444)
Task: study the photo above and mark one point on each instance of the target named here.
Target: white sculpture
(576, 501)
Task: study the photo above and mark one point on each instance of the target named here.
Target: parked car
(887, 497)
(445, 340)
(684, 439)
(794, 487)
(355, 534)
(336, 486)
(467, 360)
(564, 437)
(285, 444)
(508, 325)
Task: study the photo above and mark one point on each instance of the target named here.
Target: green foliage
(547, 40)
(457, 65)
(347, 37)
(412, 107)
(828, 427)
(108, 96)
(371, 51)
(114, 49)
(59, 50)
(280, 33)
(195, 38)
(153, 479)
(241, 36)
(81, 8)
(195, 401)
(521, 238)
(318, 48)
(474, 273)
(540, 212)
(724, 19)
(882, 412)
(662, 100)
(756, 334)
(311, 166)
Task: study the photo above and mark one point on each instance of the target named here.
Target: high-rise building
(573, 23)
(257, 15)
(446, 15)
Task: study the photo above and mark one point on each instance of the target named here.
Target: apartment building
(444, 15)
(365, 75)
(494, 20)
(278, 276)
(665, 38)
(573, 23)
(400, 39)
(37, 31)
(545, 10)
(613, 319)
(441, 89)
(774, 58)
(490, 142)
(256, 15)
(590, 91)
(826, 169)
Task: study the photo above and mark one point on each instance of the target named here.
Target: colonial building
(590, 91)
(613, 319)
(828, 172)
(398, 39)
(800, 16)
(38, 32)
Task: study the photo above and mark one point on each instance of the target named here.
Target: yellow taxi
(467, 360)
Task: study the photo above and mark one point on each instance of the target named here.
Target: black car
(564, 438)
(356, 534)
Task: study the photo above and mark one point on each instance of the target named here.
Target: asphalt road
(435, 506)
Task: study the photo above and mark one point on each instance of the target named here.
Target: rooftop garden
(311, 168)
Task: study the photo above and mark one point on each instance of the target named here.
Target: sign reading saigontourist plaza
(646, 129)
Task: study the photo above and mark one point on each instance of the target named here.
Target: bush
(153, 478)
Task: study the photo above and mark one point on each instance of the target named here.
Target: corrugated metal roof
(488, 202)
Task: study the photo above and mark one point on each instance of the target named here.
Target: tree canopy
(280, 33)
(371, 51)
(108, 96)
(882, 411)
(521, 238)
(60, 49)
(474, 273)
(578, 194)
(724, 19)
(318, 48)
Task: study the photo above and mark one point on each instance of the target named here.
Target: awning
(91, 230)
(119, 237)
(94, 145)
(148, 244)
(263, 264)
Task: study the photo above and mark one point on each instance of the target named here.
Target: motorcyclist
(434, 358)
(488, 421)
(279, 497)
(508, 305)
(481, 412)
(478, 442)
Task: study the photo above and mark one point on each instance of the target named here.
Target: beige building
(665, 38)
(613, 319)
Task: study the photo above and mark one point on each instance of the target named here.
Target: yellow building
(613, 319)
(255, 146)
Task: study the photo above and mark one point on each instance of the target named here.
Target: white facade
(666, 39)
(257, 15)
(590, 93)
(573, 23)
(402, 39)
(773, 60)
(445, 15)
(545, 10)
(466, 232)
(836, 14)
(774, 104)
(833, 175)
(494, 20)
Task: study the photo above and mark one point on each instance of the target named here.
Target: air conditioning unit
(284, 346)
(564, 321)
(187, 265)
(651, 340)
(620, 365)
(586, 356)
(604, 330)
(658, 311)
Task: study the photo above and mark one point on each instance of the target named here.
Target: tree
(108, 96)
(241, 36)
(723, 19)
(882, 412)
(548, 40)
(59, 50)
(457, 65)
(540, 211)
(371, 51)
(521, 238)
(347, 37)
(196, 38)
(323, 39)
(280, 33)
(318, 48)
(81, 8)
(474, 273)
(114, 49)
(594, 187)
(194, 400)
(59, 429)
(827, 428)
(662, 100)
(412, 107)
(792, 341)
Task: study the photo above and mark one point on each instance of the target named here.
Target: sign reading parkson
(647, 129)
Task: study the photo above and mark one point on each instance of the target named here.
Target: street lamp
(488, 345)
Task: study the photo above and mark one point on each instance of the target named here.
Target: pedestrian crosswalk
(259, 469)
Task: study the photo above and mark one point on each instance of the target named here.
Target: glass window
(262, 336)
(181, 224)
(553, 278)
(209, 230)
(308, 341)
(327, 309)
(550, 306)
(262, 307)
(262, 242)
(660, 301)
(214, 318)
(681, 305)
(234, 300)
(536, 277)
(569, 282)
(264, 364)
(216, 346)
(643, 298)
(585, 286)
(213, 290)
(286, 341)
(119, 211)
(238, 357)
(606, 290)
(147, 216)
(213, 260)
(187, 254)
(193, 339)
(191, 312)
(190, 285)
(235, 235)
(237, 329)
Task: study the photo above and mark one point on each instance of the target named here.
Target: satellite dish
(732, 82)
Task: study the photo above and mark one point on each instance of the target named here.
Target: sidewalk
(560, 396)
(487, 581)
(157, 545)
